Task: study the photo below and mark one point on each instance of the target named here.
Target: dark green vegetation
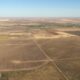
(56, 25)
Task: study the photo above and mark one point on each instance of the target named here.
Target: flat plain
(28, 53)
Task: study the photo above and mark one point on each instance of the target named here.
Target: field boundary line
(41, 49)
(60, 71)
(24, 69)
(51, 60)
(29, 61)
(76, 58)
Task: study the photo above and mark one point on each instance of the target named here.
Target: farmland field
(39, 53)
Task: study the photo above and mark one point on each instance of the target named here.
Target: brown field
(71, 68)
(47, 72)
(39, 54)
(61, 48)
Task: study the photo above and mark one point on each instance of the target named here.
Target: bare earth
(39, 54)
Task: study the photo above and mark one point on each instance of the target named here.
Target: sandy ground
(40, 55)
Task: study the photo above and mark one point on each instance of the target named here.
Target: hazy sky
(39, 8)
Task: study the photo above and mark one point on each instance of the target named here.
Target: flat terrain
(39, 54)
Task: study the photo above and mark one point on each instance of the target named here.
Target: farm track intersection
(34, 53)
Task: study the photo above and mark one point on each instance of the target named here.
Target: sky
(39, 8)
